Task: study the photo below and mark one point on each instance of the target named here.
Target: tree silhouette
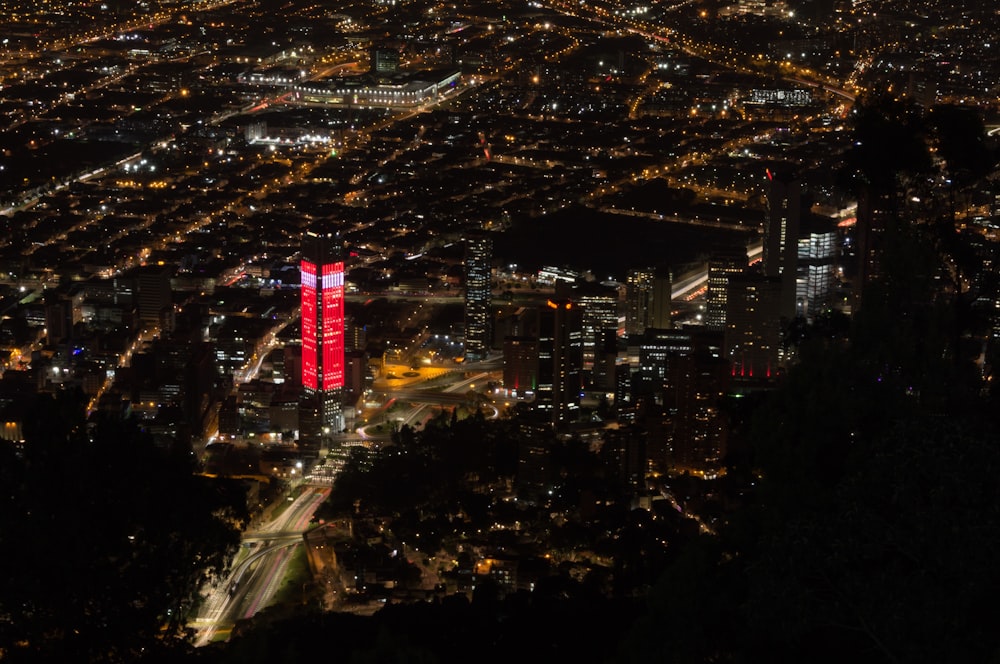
(873, 504)
(111, 538)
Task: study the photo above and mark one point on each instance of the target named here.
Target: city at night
(504, 330)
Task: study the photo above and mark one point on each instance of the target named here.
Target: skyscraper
(152, 293)
(753, 325)
(781, 235)
(722, 264)
(478, 316)
(818, 249)
(599, 316)
(696, 382)
(647, 300)
(322, 269)
(873, 217)
(520, 365)
(560, 359)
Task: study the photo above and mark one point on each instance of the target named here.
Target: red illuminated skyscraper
(322, 335)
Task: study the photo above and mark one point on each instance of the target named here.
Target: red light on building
(333, 325)
(322, 326)
(310, 336)
(322, 316)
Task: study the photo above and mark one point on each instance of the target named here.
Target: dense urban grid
(414, 331)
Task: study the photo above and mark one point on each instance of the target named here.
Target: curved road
(251, 584)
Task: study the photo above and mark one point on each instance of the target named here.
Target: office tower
(520, 365)
(384, 60)
(870, 231)
(781, 235)
(661, 301)
(322, 269)
(355, 374)
(560, 359)
(478, 315)
(653, 351)
(753, 325)
(637, 286)
(696, 426)
(355, 336)
(283, 411)
(58, 319)
(818, 248)
(722, 264)
(623, 385)
(606, 359)
(534, 462)
(599, 314)
(152, 293)
(647, 300)
(200, 377)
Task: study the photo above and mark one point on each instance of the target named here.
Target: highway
(454, 395)
(259, 569)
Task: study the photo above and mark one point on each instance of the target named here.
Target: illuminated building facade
(647, 300)
(478, 314)
(599, 316)
(818, 250)
(384, 60)
(722, 264)
(322, 269)
(402, 91)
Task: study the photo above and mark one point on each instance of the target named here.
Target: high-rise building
(648, 295)
(696, 425)
(599, 315)
(152, 293)
(870, 230)
(607, 356)
(478, 314)
(753, 325)
(722, 264)
(781, 235)
(661, 301)
(637, 285)
(653, 351)
(818, 249)
(322, 269)
(520, 365)
(58, 319)
(355, 335)
(560, 359)
(355, 374)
